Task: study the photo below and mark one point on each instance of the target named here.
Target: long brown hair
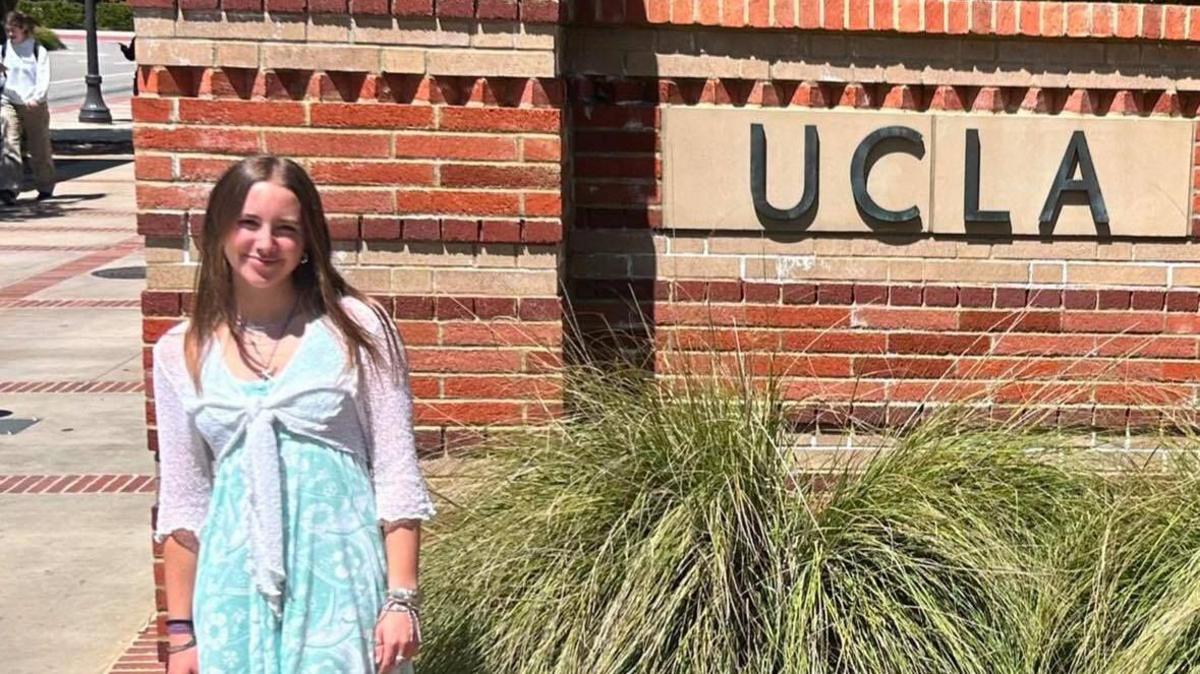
(319, 285)
(21, 20)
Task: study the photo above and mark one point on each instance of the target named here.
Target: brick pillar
(435, 135)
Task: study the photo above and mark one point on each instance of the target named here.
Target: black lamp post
(93, 110)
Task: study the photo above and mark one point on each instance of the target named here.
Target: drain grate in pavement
(121, 273)
(12, 426)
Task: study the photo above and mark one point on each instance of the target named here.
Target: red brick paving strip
(141, 656)
(24, 484)
(137, 483)
(127, 483)
(70, 304)
(42, 484)
(71, 386)
(79, 485)
(35, 247)
(82, 265)
(63, 228)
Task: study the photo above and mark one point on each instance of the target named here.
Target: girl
(26, 67)
(290, 498)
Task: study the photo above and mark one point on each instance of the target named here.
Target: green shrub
(110, 14)
(114, 16)
(55, 13)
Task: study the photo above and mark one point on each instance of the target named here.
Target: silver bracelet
(191, 643)
(404, 595)
(398, 606)
(393, 606)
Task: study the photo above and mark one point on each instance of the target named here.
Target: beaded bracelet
(180, 626)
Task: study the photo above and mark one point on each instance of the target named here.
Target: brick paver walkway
(76, 479)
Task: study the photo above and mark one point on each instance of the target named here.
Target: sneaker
(8, 197)
(42, 196)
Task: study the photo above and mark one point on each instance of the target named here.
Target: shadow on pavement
(69, 169)
(27, 209)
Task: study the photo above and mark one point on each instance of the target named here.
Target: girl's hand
(184, 662)
(395, 640)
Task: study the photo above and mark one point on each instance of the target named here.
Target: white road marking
(118, 73)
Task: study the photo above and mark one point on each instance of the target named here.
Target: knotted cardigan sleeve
(184, 461)
(400, 489)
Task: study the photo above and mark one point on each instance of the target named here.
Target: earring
(304, 259)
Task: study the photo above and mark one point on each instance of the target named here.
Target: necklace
(265, 367)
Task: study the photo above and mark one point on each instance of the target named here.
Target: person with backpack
(23, 109)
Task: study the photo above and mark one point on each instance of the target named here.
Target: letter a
(1078, 157)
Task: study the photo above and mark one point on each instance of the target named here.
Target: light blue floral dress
(332, 547)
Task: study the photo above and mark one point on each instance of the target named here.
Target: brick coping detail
(933, 17)
(1079, 20)
(525, 11)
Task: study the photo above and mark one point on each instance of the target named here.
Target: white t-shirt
(28, 75)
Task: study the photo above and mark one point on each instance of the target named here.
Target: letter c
(906, 140)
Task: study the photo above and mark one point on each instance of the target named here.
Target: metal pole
(93, 110)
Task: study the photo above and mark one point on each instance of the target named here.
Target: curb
(120, 99)
(96, 141)
(76, 35)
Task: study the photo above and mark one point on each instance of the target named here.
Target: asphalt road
(68, 66)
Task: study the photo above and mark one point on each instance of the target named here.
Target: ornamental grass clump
(640, 533)
(1126, 598)
(928, 557)
(668, 525)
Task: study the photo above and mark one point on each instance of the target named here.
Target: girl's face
(16, 33)
(266, 243)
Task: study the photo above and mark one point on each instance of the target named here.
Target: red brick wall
(468, 168)
(870, 330)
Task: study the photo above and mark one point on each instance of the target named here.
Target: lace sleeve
(400, 489)
(184, 463)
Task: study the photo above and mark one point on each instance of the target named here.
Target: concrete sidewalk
(76, 480)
